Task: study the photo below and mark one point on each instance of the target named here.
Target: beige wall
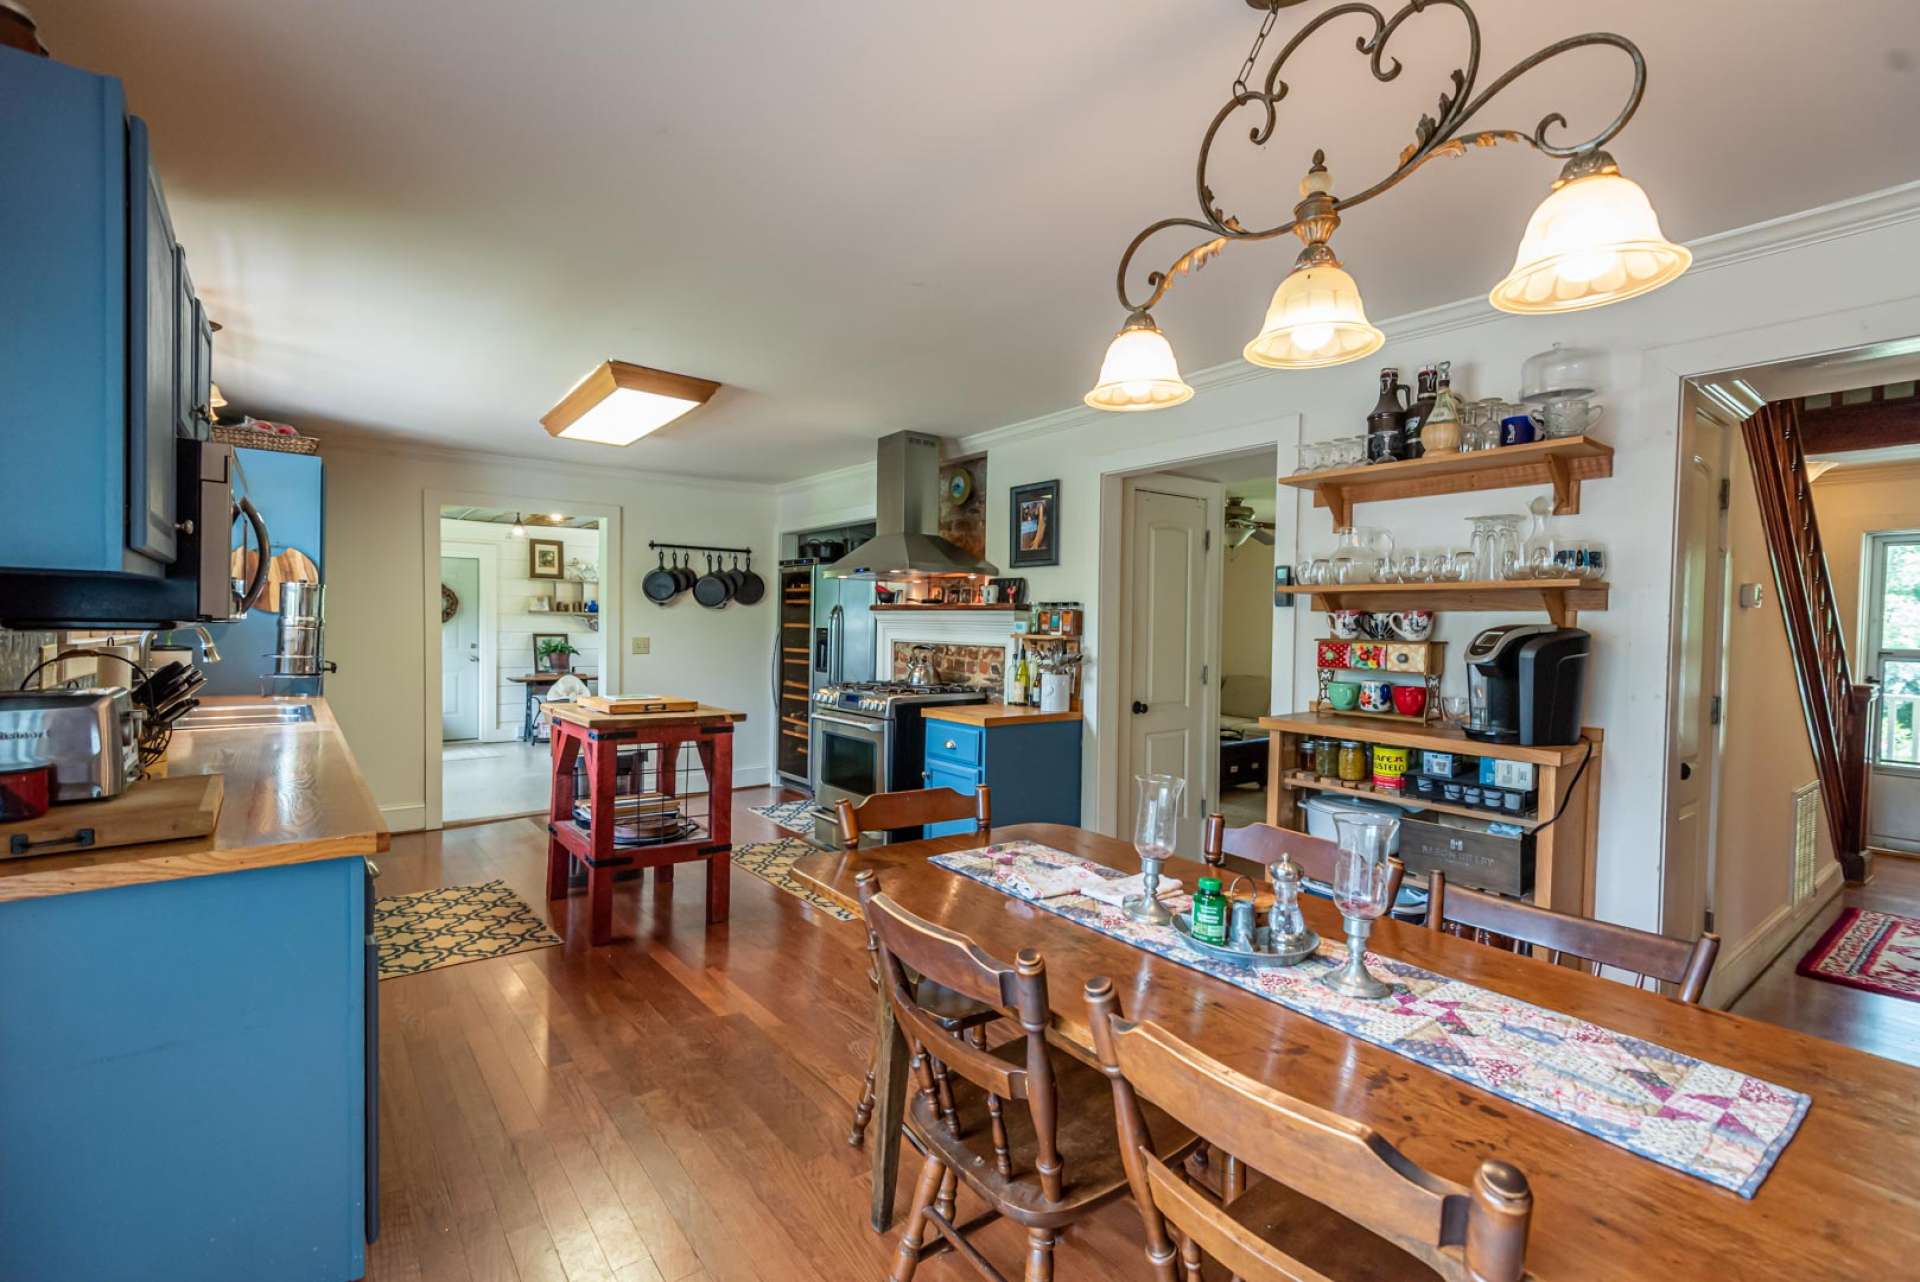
(376, 517)
(1852, 503)
(1246, 615)
(1764, 754)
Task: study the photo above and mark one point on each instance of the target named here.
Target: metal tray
(1260, 957)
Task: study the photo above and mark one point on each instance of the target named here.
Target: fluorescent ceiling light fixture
(618, 403)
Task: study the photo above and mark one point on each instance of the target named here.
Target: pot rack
(696, 547)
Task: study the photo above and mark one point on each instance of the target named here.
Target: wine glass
(1360, 874)
(1154, 820)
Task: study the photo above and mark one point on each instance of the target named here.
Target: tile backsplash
(978, 666)
(19, 651)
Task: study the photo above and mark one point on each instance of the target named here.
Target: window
(1893, 644)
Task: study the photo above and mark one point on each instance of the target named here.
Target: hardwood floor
(672, 1108)
(1887, 1026)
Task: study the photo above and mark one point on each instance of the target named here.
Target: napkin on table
(1115, 891)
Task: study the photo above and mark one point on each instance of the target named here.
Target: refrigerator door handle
(836, 622)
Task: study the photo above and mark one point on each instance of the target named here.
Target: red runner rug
(1876, 952)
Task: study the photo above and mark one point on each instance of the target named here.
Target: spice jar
(1326, 758)
(1209, 913)
(1305, 749)
(1353, 761)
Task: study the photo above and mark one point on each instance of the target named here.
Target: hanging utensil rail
(697, 547)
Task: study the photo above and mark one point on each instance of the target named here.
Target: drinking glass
(1155, 816)
(1360, 874)
(1453, 709)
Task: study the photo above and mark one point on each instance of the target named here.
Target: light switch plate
(643, 645)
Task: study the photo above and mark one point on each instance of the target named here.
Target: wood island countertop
(294, 794)
(995, 714)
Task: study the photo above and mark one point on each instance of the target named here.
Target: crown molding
(819, 480)
(1869, 473)
(358, 442)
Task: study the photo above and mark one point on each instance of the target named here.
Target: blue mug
(1518, 430)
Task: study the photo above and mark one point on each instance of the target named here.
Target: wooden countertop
(1437, 737)
(594, 719)
(994, 714)
(293, 795)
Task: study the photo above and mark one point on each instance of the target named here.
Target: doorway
(519, 596)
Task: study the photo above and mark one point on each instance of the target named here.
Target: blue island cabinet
(1033, 768)
(186, 1079)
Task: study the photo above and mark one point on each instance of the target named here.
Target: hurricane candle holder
(1156, 816)
(1360, 893)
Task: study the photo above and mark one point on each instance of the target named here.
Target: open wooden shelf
(1434, 737)
(1562, 599)
(1300, 780)
(1562, 463)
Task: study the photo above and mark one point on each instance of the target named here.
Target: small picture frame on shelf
(546, 559)
(1033, 515)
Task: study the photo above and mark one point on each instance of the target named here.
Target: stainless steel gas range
(868, 737)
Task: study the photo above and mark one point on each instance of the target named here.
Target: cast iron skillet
(752, 586)
(660, 585)
(733, 577)
(712, 590)
(682, 575)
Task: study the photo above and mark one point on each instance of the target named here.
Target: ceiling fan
(1241, 526)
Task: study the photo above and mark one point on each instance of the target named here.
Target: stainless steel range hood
(906, 518)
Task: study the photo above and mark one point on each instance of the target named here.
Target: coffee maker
(1523, 684)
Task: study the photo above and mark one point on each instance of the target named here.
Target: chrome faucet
(209, 652)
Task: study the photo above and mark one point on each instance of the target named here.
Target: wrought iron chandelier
(1594, 240)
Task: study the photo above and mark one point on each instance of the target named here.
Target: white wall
(1822, 281)
(1246, 609)
(380, 505)
(513, 591)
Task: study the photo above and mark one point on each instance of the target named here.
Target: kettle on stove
(920, 666)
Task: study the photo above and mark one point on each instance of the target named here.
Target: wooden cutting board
(151, 810)
(632, 703)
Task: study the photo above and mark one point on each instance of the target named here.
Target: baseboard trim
(1747, 960)
(410, 817)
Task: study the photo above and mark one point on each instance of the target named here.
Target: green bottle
(1210, 912)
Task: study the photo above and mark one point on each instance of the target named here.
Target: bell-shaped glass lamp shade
(1595, 240)
(1139, 372)
(1315, 319)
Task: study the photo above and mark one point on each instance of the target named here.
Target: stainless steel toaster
(90, 738)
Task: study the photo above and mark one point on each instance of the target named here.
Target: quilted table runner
(1714, 1123)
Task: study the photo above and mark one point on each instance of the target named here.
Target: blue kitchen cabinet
(187, 1079)
(1033, 769)
(93, 358)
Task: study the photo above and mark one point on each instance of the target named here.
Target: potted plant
(553, 653)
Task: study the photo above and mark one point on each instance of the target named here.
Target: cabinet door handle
(952, 746)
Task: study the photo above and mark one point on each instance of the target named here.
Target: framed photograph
(551, 652)
(546, 559)
(1034, 521)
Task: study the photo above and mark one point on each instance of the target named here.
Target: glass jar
(1353, 761)
(1305, 750)
(1326, 758)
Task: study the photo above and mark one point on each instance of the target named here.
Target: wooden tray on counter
(628, 704)
(151, 810)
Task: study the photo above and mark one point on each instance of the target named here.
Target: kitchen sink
(245, 716)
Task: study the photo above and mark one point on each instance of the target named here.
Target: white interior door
(1892, 657)
(460, 667)
(1698, 623)
(1173, 598)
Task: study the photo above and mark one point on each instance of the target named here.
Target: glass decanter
(1155, 820)
(1360, 875)
(1362, 555)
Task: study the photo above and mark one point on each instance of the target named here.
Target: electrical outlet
(643, 645)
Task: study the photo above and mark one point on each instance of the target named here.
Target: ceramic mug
(1410, 701)
(1517, 429)
(1411, 625)
(1377, 627)
(1376, 696)
(1348, 625)
(1343, 695)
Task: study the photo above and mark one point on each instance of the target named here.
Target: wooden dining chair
(1338, 1200)
(1047, 1160)
(886, 811)
(1265, 845)
(1526, 928)
(882, 812)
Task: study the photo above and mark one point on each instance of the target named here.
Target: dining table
(1842, 1199)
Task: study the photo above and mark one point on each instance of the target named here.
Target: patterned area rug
(772, 862)
(1876, 952)
(433, 928)
(790, 815)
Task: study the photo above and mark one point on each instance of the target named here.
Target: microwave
(219, 572)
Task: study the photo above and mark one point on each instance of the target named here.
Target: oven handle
(867, 726)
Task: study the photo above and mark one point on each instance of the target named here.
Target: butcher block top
(293, 794)
(592, 719)
(994, 714)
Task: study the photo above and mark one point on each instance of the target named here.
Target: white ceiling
(428, 219)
